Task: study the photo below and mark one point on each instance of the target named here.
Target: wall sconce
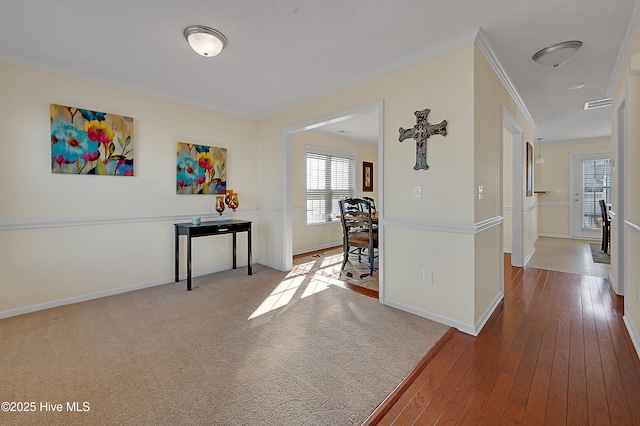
(205, 41)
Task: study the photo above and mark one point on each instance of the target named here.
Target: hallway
(555, 352)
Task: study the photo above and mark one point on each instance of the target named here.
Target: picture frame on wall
(529, 163)
(367, 176)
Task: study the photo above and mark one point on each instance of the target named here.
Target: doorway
(590, 183)
(316, 124)
(511, 130)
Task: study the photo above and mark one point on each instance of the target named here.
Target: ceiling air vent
(600, 103)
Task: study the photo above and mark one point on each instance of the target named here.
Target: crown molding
(487, 51)
(625, 49)
(431, 51)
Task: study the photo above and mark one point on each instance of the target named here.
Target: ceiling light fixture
(576, 86)
(205, 41)
(539, 160)
(558, 54)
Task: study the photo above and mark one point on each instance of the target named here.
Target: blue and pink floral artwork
(201, 169)
(90, 142)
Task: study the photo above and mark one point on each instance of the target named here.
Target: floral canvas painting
(90, 142)
(201, 169)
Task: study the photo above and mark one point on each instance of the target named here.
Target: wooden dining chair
(372, 207)
(358, 230)
(372, 203)
(606, 226)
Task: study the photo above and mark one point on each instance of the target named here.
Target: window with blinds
(330, 177)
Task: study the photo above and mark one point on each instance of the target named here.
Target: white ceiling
(281, 53)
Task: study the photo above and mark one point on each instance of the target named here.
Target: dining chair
(372, 207)
(356, 215)
(372, 203)
(606, 226)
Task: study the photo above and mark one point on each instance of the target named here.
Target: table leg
(177, 268)
(235, 266)
(189, 261)
(249, 250)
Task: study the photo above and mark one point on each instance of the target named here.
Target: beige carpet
(326, 265)
(270, 349)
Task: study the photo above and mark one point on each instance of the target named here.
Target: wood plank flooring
(555, 352)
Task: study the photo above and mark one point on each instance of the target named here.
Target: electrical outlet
(427, 276)
(417, 191)
(221, 245)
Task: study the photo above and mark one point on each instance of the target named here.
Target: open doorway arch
(510, 125)
(287, 141)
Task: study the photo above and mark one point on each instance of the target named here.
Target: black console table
(204, 229)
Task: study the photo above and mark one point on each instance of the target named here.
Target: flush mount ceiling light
(557, 54)
(205, 41)
(576, 86)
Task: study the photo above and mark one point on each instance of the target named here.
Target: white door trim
(517, 191)
(287, 199)
(620, 195)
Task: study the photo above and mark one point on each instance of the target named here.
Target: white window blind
(330, 177)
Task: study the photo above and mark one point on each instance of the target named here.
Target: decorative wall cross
(421, 132)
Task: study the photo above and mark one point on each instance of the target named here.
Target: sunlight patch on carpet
(326, 266)
(284, 292)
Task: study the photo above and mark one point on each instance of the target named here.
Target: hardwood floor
(555, 352)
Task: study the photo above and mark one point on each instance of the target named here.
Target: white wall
(447, 231)
(629, 84)
(507, 177)
(438, 231)
(553, 177)
(72, 236)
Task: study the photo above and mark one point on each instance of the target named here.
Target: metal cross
(421, 132)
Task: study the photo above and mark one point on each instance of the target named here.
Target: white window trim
(329, 152)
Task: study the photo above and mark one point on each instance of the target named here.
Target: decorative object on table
(195, 220)
(220, 204)
(86, 142)
(231, 200)
(201, 169)
(367, 176)
(529, 163)
(421, 132)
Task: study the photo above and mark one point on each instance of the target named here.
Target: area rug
(327, 265)
(598, 255)
(268, 349)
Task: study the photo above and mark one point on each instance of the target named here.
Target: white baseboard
(488, 312)
(473, 330)
(465, 328)
(112, 292)
(542, 234)
(635, 338)
(614, 286)
(317, 248)
(529, 256)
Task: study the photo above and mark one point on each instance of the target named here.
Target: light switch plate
(417, 191)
